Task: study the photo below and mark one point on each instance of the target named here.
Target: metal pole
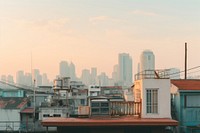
(186, 60)
(34, 107)
(47, 129)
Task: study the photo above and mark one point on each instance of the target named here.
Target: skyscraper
(93, 75)
(174, 73)
(37, 77)
(64, 69)
(28, 79)
(115, 73)
(147, 61)
(85, 77)
(3, 77)
(10, 79)
(45, 80)
(72, 71)
(20, 77)
(103, 79)
(125, 69)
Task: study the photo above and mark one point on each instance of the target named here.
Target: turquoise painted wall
(13, 93)
(187, 116)
(1, 93)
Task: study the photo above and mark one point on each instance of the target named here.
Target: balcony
(115, 108)
(125, 108)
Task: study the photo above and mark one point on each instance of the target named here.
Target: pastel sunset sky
(91, 33)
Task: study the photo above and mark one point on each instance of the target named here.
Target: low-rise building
(149, 113)
(112, 91)
(12, 93)
(10, 108)
(186, 104)
(94, 90)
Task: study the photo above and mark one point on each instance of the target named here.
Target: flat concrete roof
(99, 122)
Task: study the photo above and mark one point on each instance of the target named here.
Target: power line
(16, 85)
(194, 72)
(184, 71)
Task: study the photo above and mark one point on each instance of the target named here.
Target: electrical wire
(184, 71)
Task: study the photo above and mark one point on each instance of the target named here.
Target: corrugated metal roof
(12, 102)
(27, 111)
(189, 84)
(121, 121)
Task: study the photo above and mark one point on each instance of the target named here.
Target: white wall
(174, 89)
(51, 112)
(9, 115)
(94, 90)
(164, 100)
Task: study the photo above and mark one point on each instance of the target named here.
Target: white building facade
(154, 94)
(94, 90)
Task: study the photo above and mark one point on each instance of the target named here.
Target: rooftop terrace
(152, 74)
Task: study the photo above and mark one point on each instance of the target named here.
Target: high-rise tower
(93, 75)
(147, 61)
(72, 71)
(125, 69)
(64, 69)
(20, 77)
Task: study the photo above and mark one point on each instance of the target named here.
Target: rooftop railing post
(140, 108)
(47, 129)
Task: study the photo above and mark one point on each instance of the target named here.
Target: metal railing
(152, 74)
(9, 126)
(126, 108)
(21, 126)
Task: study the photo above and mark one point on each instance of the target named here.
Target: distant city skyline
(91, 34)
(122, 73)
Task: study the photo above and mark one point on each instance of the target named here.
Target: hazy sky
(91, 33)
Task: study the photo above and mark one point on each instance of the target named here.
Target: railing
(126, 108)
(21, 126)
(9, 125)
(153, 74)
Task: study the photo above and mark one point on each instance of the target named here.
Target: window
(46, 115)
(152, 101)
(82, 101)
(99, 108)
(193, 101)
(149, 57)
(95, 104)
(104, 105)
(95, 111)
(56, 115)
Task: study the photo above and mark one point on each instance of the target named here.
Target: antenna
(31, 72)
(34, 107)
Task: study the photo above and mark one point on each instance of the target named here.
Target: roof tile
(12, 102)
(189, 84)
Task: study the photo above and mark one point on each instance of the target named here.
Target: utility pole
(34, 100)
(185, 60)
